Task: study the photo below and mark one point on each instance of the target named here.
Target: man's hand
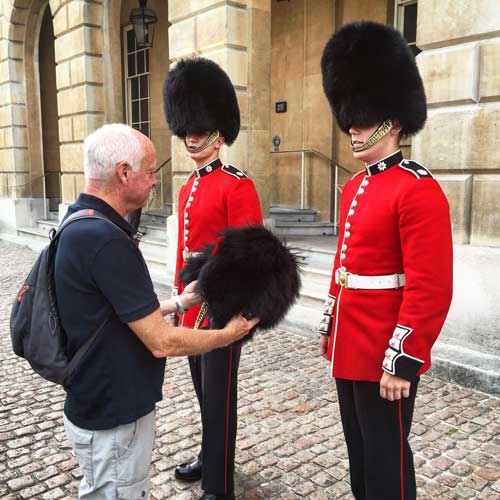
(189, 297)
(238, 327)
(323, 345)
(393, 388)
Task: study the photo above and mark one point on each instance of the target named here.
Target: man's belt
(187, 255)
(355, 281)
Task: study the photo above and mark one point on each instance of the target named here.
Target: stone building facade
(64, 71)
(69, 66)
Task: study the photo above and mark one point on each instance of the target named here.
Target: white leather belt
(355, 281)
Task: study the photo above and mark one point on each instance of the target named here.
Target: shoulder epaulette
(416, 169)
(235, 172)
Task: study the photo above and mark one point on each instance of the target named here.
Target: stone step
(315, 258)
(302, 319)
(154, 247)
(157, 216)
(157, 268)
(154, 230)
(35, 233)
(304, 228)
(25, 240)
(316, 275)
(467, 367)
(154, 250)
(281, 214)
(47, 224)
(314, 294)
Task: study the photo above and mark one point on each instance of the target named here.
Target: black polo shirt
(100, 271)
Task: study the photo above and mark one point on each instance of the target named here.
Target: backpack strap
(82, 351)
(88, 213)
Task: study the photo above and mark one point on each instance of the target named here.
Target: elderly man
(100, 273)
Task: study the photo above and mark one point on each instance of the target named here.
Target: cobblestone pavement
(290, 442)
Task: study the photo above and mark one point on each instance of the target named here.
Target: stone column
(460, 143)
(80, 99)
(237, 36)
(14, 167)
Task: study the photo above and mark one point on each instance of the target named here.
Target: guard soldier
(201, 108)
(391, 284)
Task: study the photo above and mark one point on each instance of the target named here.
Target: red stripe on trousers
(227, 416)
(401, 468)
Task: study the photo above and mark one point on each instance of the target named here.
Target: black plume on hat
(199, 97)
(370, 75)
(248, 270)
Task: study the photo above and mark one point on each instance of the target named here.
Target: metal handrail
(337, 190)
(159, 184)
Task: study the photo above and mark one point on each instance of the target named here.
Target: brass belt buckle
(185, 254)
(344, 279)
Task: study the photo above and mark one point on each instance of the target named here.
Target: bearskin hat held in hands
(370, 75)
(198, 98)
(248, 270)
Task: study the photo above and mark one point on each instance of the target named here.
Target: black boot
(190, 471)
(209, 496)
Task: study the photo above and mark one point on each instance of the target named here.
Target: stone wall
(461, 72)
(299, 31)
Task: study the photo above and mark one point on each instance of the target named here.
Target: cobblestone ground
(290, 442)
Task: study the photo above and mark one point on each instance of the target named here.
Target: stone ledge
(468, 368)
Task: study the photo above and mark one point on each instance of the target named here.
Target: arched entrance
(49, 113)
(42, 117)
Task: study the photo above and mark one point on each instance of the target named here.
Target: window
(136, 64)
(406, 22)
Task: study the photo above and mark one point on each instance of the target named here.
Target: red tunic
(214, 197)
(394, 219)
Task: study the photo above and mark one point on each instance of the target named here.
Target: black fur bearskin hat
(199, 97)
(370, 75)
(248, 270)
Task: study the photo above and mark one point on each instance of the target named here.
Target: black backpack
(35, 326)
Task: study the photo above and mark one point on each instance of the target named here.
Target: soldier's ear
(396, 127)
(219, 142)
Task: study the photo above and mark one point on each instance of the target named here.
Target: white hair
(108, 146)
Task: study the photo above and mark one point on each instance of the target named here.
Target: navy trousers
(215, 379)
(376, 432)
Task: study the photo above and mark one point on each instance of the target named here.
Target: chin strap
(202, 314)
(209, 140)
(384, 128)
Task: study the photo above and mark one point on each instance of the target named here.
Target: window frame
(399, 17)
(128, 85)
